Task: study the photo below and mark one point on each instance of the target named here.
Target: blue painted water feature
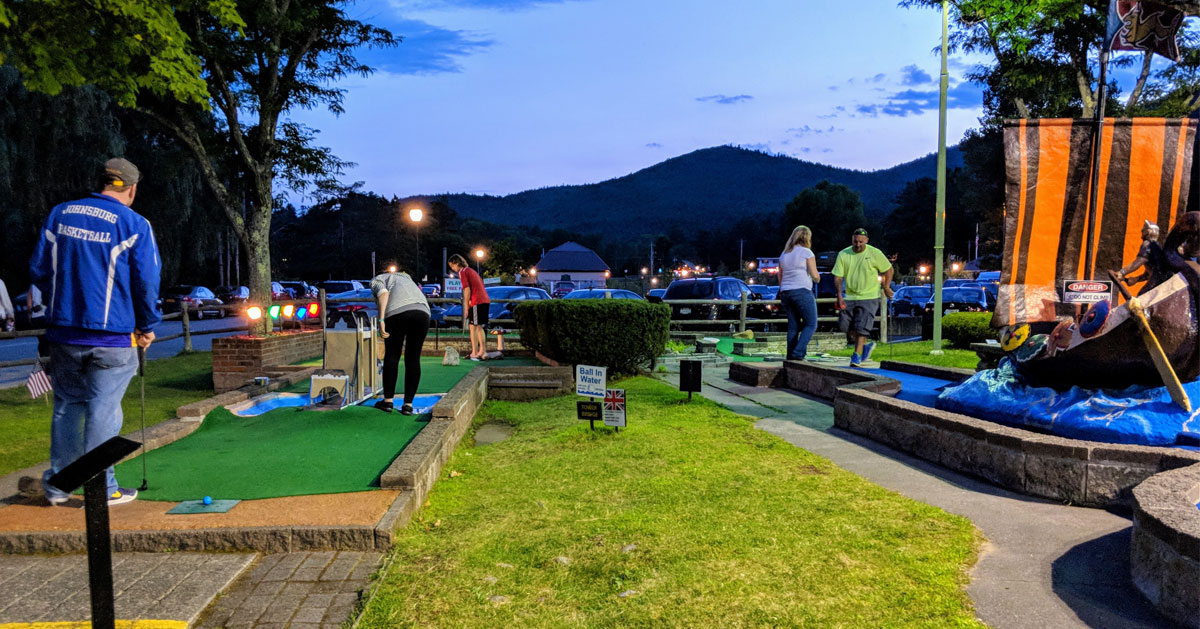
(921, 390)
(271, 401)
(1136, 415)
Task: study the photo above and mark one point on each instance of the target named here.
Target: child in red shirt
(478, 305)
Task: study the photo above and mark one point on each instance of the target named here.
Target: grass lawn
(690, 517)
(170, 383)
(918, 352)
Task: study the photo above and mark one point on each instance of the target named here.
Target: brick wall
(237, 360)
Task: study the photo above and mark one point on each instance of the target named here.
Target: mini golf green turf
(439, 378)
(725, 346)
(285, 452)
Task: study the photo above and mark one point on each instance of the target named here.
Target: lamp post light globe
(479, 253)
(416, 214)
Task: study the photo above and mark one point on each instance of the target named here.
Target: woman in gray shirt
(403, 319)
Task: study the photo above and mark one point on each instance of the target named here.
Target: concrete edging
(1165, 560)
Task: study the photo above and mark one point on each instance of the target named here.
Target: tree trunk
(258, 243)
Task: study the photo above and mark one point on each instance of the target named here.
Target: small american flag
(38, 383)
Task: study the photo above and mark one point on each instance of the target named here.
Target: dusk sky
(499, 96)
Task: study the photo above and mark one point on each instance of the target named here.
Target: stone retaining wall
(1165, 562)
(522, 384)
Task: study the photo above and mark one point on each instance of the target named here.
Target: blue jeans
(89, 383)
(801, 308)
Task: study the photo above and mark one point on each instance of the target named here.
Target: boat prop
(1161, 363)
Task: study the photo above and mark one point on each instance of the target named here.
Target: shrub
(620, 334)
(963, 328)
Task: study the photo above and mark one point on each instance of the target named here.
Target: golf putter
(141, 351)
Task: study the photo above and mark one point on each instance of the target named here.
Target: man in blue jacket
(97, 266)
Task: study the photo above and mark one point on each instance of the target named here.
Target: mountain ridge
(710, 186)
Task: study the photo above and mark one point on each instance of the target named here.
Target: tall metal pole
(1097, 139)
(939, 228)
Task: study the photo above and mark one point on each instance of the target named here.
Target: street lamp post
(479, 253)
(415, 215)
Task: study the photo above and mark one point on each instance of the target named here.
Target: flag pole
(939, 242)
(1097, 141)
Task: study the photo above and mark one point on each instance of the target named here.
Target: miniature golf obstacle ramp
(351, 367)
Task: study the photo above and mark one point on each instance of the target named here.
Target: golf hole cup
(207, 500)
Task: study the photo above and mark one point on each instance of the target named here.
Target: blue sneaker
(867, 350)
(122, 496)
(855, 361)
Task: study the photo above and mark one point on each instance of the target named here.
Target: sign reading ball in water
(590, 381)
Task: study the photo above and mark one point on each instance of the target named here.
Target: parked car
(711, 288)
(278, 292)
(25, 319)
(431, 290)
(656, 294)
(340, 286)
(562, 288)
(362, 307)
(954, 300)
(233, 294)
(197, 299)
(300, 290)
(601, 293)
(909, 301)
(761, 292)
(500, 311)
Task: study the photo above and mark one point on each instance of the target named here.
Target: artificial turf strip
(688, 517)
(285, 452)
(439, 378)
(725, 346)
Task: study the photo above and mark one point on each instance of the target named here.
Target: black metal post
(1097, 141)
(100, 576)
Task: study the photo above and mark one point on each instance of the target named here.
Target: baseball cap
(859, 232)
(122, 172)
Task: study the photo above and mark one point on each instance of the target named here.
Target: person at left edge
(98, 268)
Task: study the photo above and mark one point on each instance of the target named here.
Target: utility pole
(741, 258)
(940, 213)
(652, 259)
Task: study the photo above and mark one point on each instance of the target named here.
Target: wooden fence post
(742, 315)
(187, 328)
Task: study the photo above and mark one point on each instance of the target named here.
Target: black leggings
(409, 327)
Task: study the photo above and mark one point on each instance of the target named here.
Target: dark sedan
(909, 301)
(962, 299)
(197, 299)
(601, 293)
(233, 294)
(300, 290)
(707, 288)
(500, 311)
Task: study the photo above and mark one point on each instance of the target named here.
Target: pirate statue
(1150, 258)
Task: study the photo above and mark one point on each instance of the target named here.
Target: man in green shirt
(862, 269)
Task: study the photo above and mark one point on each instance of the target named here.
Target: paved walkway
(1044, 564)
(297, 590)
(308, 590)
(172, 588)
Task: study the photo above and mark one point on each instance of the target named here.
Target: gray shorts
(858, 316)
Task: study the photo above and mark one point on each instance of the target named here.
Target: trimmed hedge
(620, 334)
(963, 328)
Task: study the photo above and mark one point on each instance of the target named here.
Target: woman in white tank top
(797, 278)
